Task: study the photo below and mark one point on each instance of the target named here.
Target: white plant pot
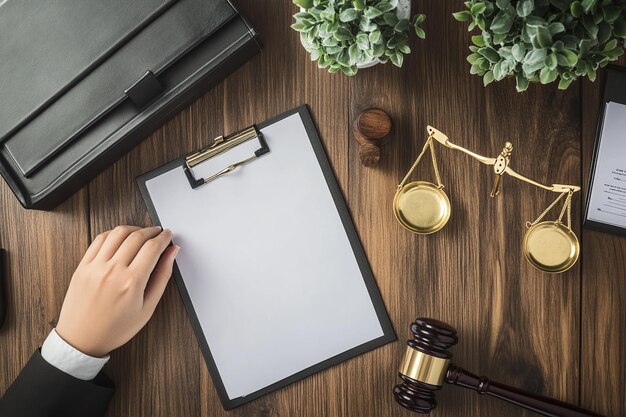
(403, 11)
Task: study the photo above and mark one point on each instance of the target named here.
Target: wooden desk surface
(562, 335)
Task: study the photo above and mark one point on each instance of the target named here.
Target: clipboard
(605, 208)
(251, 238)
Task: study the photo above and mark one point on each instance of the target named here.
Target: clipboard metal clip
(220, 145)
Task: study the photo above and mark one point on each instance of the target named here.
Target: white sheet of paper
(607, 203)
(266, 261)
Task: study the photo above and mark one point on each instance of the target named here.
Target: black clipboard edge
(614, 90)
(389, 334)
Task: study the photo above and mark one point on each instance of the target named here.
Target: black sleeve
(41, 390)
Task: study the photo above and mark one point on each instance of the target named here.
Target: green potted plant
(345, 35)
(543, 40)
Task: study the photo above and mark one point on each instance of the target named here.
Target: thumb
(159, 278)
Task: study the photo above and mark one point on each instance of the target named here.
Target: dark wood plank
(603, 369)
(516, 325)
(157, 373)
(43, 250)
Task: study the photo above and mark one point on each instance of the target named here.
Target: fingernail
(176, 250)
(167, 231)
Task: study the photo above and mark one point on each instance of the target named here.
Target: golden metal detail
(423, 207)
(423, 367)
(220, 145)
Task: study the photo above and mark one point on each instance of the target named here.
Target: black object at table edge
(616, 92)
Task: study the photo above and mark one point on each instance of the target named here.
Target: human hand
(116, 288)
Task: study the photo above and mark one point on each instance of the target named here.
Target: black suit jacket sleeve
(41, 390)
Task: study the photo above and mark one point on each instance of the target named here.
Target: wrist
(65, 357)
(81, 346)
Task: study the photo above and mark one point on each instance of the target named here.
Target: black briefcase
(83, 81)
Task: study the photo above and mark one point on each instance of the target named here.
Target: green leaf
(506, 53)
(461, 16)
(518, 50)
(359, 5)
(556, 27)
(375, 36)
(543, 36)
(355, 54)
(478, 40)
(570, 56)
(498, 74)
(348, 15)
(547, 75)
(490, 54)
(396, 59)
(501, 23)
(362, 41)
(533, 61)
(591, 26)
(300, 26)
(588, 5)
(391, 19)
(328, 13)
(576, 9)
(349, 71)
(611, 13)
(551, 61)
(503, 4)
(343, 34)
(305, 4)
(366, 25)
(402, 26)
(620, 28)
(420, 32)
(521, 83)
(372, 12)
(418, 19)
(525, 7)
(404, 48)
(564, 84)
(477, 8)
(385, 6)
(488, 78)
(472, 58)
(475, 69)
(378, 50)
(604, 32)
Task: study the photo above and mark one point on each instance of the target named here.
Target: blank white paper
(607, 203)
(266, 261)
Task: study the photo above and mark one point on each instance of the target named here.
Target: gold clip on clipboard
(220, 145)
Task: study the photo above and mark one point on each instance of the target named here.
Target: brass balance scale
(424, 208)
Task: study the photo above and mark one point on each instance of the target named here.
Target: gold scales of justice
(424, 208)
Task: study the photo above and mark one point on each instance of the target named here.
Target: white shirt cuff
(60, 354)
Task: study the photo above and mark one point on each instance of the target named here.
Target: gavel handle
(537, 403)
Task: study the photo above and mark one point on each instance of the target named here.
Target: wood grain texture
(561, 336)
(603, 324)
(36, 275)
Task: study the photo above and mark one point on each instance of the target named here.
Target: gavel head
(425, 364)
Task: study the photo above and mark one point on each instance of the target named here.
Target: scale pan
(551, 247)
(422, 207)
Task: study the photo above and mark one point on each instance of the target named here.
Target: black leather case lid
(113, 44)
(47, 45)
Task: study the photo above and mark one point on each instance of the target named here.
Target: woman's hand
(116, 288)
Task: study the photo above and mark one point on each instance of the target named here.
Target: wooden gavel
(426, 366)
